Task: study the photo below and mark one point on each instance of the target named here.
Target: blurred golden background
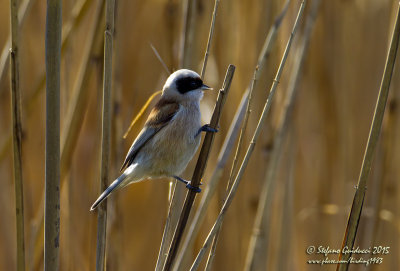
(322, 156)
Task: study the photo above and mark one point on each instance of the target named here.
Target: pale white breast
(171, 149)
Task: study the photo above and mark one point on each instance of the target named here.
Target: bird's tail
(116, 184)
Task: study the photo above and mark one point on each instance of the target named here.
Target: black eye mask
(187, 84)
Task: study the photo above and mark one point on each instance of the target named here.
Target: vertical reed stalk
(358, 201)
(199, 169)
(52, 194)
(258, 247)
(77, 105)
(250, 149)
(210, 36)
(106, 133)
(78, 12)
(23, 9)
(187, 37)
(17, 134)
(73, 118)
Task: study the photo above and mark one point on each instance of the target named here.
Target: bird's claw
(208, 128)
(188, 185)
(193, 188)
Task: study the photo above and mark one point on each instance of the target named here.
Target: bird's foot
(188, 185)
(206, 128)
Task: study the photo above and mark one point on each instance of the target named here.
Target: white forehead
(174, 77)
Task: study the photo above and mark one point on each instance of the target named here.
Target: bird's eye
(193, 84)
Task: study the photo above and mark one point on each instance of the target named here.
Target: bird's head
(184, 85)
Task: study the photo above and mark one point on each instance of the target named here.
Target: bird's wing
(162, 113)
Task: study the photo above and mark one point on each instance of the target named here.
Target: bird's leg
(188, 185)
(206, 128)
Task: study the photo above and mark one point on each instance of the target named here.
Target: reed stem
(52, 194)
(23, 9)
(17, 134)
(106, 134)
(210, 36)
(359, 196)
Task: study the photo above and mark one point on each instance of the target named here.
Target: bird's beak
(205, 87)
